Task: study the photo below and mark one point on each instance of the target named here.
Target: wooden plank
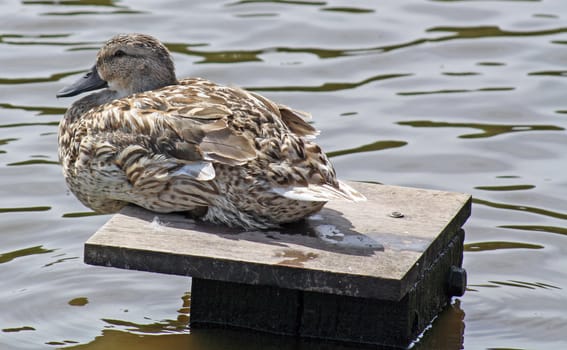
(356, 250)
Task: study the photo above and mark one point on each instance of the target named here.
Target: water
(464, 96)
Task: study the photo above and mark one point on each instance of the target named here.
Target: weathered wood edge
(231, 271)
(280, 276)
(430, 255)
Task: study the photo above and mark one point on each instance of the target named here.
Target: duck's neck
(139, 85)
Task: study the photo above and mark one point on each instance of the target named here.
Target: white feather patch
(302, 194)
(156, 225)
(353, 194)
(202, 171)
(320, 193)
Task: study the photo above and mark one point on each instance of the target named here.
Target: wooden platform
(374, 272)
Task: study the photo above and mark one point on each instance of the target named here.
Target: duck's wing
(297, 121)
(154, 142)
(298, 168)
(310, 175)
(214, 142)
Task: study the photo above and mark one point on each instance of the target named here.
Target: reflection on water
(82, 301)
(558, 73)
(18, 329)
(19, 125)
(376, 146)
(538, 228)
(464, 96)
(506, 188)
(253, 55)
(447, 331)
(33, 162)
(520, 284)
(347, 9)
(454, 91)
(492, 31)
(484, 246)
(108, 3)
(489, 130)
(81, 214)
(115, 9)
(9, 256)
(168, 334)
(40, 110)
(327, 87)
(286, 2)
(523, 208)
(52, 77)
(466, 33)
(24, 209)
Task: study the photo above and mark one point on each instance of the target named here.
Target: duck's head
(127, 64)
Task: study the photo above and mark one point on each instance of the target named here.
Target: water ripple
(114, 9)
(538, 228)
(371, 147)
(505, 188)
(51, 78)
(9, 256)
(326, 87)
(350, 10)
(81, 214)
(553, 73)
(489, 130)
(33, 162)
(82, 13)
(19, 125)
(24, 209)
(455, 91)
(460, 34)
(466, 33)
(9, 39)
(493, 31)
(42, 110)
(7, 141)
(498, 245)
(517, 284)
(522, 208)
(99, 3)
(18, 329)
(285, 2)
(238, 56)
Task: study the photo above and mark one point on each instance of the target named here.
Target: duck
(218, 153)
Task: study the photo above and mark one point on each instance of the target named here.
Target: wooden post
(375, 272)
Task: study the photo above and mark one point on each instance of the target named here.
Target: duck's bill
(88, 82)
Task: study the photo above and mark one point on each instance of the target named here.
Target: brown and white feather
(196, 144)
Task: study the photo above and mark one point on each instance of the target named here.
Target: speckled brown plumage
(190, 145)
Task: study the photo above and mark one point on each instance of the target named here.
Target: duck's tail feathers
(320, 193)
(352, 194)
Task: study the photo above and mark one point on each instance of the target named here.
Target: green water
(466, 96)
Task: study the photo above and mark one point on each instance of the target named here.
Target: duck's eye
(119, 53)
